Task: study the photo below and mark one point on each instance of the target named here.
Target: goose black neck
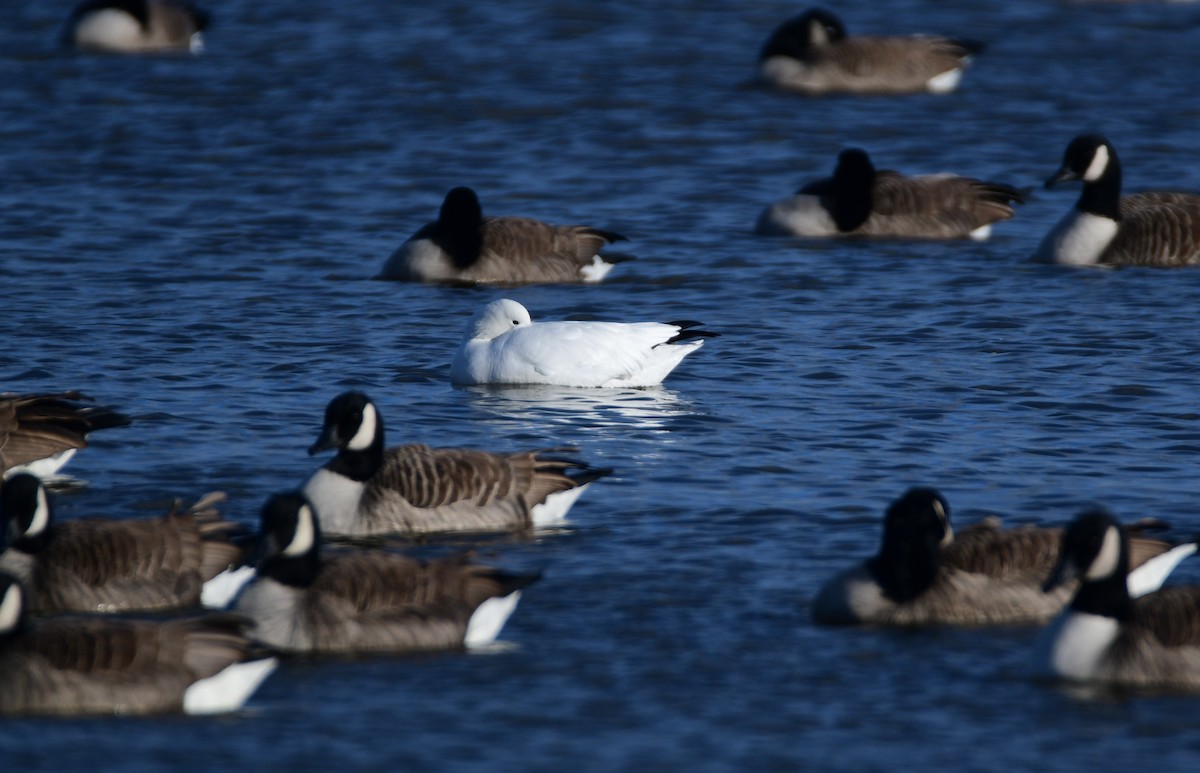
(1103, 197)
(853, 192)
(460, 227)
(36, 543)
(1108, 598)
(905, 571)
(360, 465)
(296, 571)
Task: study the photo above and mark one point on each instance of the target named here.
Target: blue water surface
(193, 240)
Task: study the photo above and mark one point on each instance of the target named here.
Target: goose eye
(516, 322)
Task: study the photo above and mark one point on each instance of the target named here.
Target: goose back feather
(360, 600)
(104, 665)
(106, 565)
(46, 429)
(813, 54)
(859, 201)
(464, 246)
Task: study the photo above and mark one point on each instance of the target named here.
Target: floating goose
(39, 433)
(136, 26)
(1108, 229)
(503, 345)
(106, 565)
(106, 665)
(811, 53)
(367, 600)
(1108, 634)
(415, 489)
(464, 246)
(860, 201)
(925, 574)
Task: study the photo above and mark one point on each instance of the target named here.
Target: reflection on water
(651, 408)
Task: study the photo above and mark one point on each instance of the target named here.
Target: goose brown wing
(1172, 615)
(428, 477)
(384, 601)
(975, 202)
(120, 564)
(1157, 229)
(377, 581)
(1026, 552)
(524, 249)
(34, 427)
(892, 62)
(85, 665)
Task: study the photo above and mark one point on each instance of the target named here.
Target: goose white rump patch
(229, 689)
(489, 618)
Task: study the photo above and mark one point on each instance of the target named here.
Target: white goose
(503, 345)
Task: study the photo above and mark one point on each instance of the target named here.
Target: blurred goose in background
(503, 345)
(415, 489)
(464, 246)
(367, 600)
(136, 26)
(1108, 229)
(811, 53)
(107, 565)
(925, 574)
(39, 433)
(106, 665)
(1109, 635)
(859, 201)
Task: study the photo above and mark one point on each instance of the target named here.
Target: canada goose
(107, 565)
(860, 201)
(136, 26)
(415, 489)
(925, 574)
(1104, 635)
(1106, 228)
(503, 345)
(39, 433)
(106, 665)
(464, 246)
(366, 600)
(811, 53)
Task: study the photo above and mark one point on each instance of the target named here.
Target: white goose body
(1105, 228)
(366, 600)
(504, 346)
(415, 489)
